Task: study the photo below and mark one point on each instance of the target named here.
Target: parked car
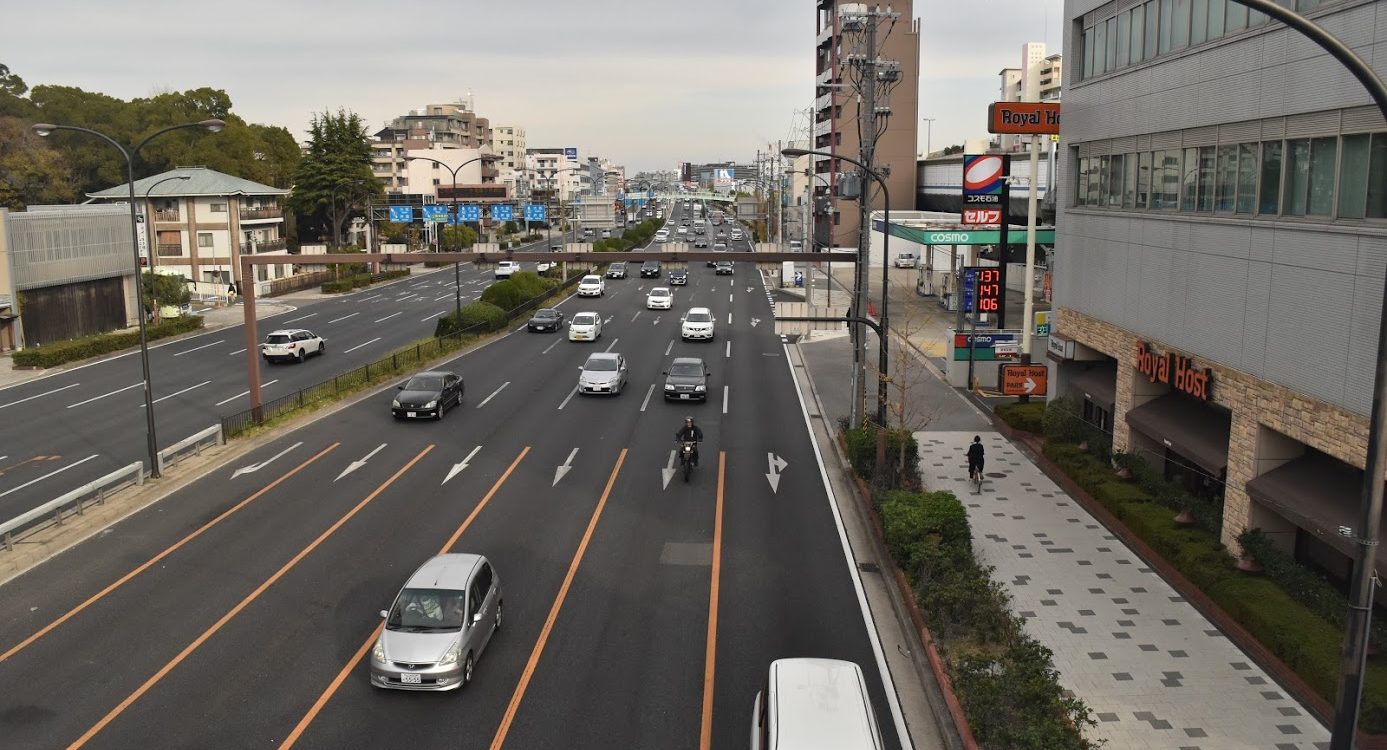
(659, 298)
(650, 269)
(427, 395)
(604, 372)
(291, 344)
(697, 323)
(723, 268)
(906, 260)
(585, 326)
(546, 319)
(811, 703)
(686, 380)
(439, 624)
(678, 277)
(617, 270)
(591, 286)
(505, 268)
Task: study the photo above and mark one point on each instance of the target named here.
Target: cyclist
(975, 458)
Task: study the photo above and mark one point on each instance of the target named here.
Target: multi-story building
(432, 127)
(200, 221)
(429, 178)
(508, 143)
(1222, 237)
(836, 113)
(556, 175)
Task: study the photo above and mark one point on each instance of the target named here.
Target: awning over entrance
(1099, 384)
(1315, 492)
(1197, 432)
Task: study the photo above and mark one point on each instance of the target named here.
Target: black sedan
(547, 319)
(427, 395)
(678, 278)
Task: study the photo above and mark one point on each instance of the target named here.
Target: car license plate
(407, 678)
(411, 415)
(683, 395)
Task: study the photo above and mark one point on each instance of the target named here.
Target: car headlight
(451, 655)
(669, 386)
(431, 404)
(378, 650)
(701, 388)
(395, 403)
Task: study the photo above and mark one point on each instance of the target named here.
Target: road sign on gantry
(435, 213)
(502, 212)
(1025, 380)
(470, 212)
(401, 214)
(535, 212)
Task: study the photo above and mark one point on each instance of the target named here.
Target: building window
(1180, 25)
(1114, 187)
(1226, 181)
(1206, 179)
(1189, 180)
(204, 239)
(1111, 23)
(1247, 178)
(1309, 177)
(1237, 18)
(1167, 21)
(1153, 27)
(1129, 181)
(1143, 179)
(1216, 11)
(1353, 177)
(1270, 199)
(1124, 39)
(1095, 181)
(1100, 49)
(1081, 187)
(218, 208)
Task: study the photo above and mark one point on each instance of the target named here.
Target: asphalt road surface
(237, 612)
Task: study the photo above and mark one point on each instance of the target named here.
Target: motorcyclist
(690, 433)
(975, 457)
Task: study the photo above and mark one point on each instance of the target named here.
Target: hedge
(62, 352)
(1026, 417)
(473, 314)
(361, 280)
(1304, 636)
(862, 452)
(515, 291)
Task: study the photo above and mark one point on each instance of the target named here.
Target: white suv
(505, 268)
(591, 286)
(697, 324)
(291, 343)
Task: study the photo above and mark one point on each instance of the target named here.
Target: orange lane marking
(361, 652)
(252, 596)
(705, 735)
(151, 561)
(530, 665)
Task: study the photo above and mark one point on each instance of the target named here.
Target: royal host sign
(1174, 370)
(1024, 118)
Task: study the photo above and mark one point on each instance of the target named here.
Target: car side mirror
(476, 618)
(384, 614)
(400, 387)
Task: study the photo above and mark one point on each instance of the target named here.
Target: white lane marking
(104, 395)
(402, 299)
(729, 318)
(493, 394)
(391, 315)
(570, 396)
(294, 320)
(353, 466)
(609, 346)
(459, 466)
(49, 474)
(724, 399)
(251, 468)
(204, 346)
(358, 346)
(178, 393)
(637, 315)
(344, 317)
(648, 394)
(435, 315)
(551, 346)
(729, 298)
(669, 348)
(728, 354)
(368, 299)
(245, 393)
(442, 297)
(242, 350)
(45, 393)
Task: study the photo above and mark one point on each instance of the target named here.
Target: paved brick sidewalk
(1154, 671)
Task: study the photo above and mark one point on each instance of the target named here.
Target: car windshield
(650, 264)
(621, 264)
(278, 338)
(603, 364)
(659, 292)
(686, 369)
(699, 317)
(585, 319)
(591, 280)
(425, 610)
(547, 313)
(424, 383)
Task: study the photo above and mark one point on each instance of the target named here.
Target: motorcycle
(686, 456)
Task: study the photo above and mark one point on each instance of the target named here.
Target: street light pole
(149, 231)
(929, 131)
(44, 129)
(457, 271)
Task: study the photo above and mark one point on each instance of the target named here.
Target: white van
(814, 703)
(796, 246)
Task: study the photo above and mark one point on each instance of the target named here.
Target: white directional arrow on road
(754, 321)
(669, 471)
(562, 470)
(775, 464)
(353, 466)
(457, 467)
(1030, 385)
(257, 467)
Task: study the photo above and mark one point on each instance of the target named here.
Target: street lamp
(549, 230)
(929, 131)
(43, 129)
(484, 153)
(149, 231)
(795, 153)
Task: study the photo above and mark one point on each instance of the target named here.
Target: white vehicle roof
(585, 318)
(591, 277)
(289, 332)
(659, 291)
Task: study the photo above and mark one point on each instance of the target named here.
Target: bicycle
(975, 478)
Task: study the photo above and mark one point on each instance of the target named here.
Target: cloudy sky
(647, 84)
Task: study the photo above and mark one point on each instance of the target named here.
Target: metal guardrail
(96, 490)
(191, 445)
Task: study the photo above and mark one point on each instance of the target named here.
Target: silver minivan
(808, 704)
(439, 624)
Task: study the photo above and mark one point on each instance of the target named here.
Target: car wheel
(299, 356)
(467, 670)
(496, 624)
(322, 348)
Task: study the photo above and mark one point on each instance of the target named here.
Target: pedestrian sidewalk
(1154, 671)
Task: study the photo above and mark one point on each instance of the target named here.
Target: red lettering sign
(1174, 370)
(982, 216)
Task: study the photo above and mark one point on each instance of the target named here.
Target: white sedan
(585, 326)
(659, 298)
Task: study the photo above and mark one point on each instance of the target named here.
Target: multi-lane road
(639, 613)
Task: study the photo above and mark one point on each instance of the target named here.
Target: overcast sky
(646, 84)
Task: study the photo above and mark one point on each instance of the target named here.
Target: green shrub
(487, 316)
(1063, 421)
(337, 287)
(1004, 696)
(505, 294)
(862, 442)
(916, 521)
(1026, 417)
(62, 352)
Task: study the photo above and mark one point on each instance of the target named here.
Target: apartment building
(199, 222)
(1222, 236)
(836, 113)
(558, 174)
(508, 143)
(432, 127)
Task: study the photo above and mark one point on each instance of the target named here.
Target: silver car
(604, 372)
(438, 626)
